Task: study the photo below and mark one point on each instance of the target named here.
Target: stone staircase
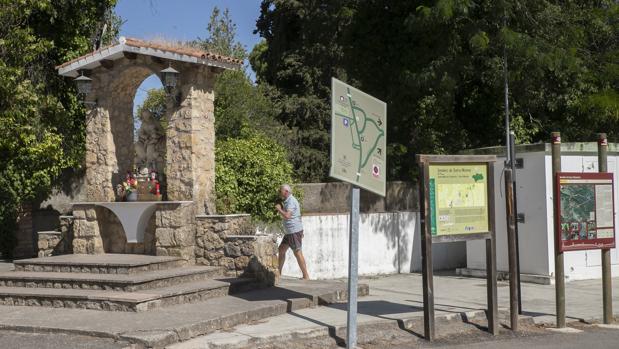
(113, 282)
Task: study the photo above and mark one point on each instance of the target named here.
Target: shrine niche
(173, 161)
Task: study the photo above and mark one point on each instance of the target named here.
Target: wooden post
(607, 290)
(426, 254)
(559, 268)
(511, 250)
(491, 282)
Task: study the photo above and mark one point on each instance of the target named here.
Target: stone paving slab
(103, 295)
(109, 259)
(160, 327)
(104, 263)
(123, 279)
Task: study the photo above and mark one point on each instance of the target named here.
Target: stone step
(121, 301)
(99, 264)
(109, 282)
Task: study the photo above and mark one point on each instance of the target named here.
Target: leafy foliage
(439, 66)
(248, 173)
(41, 120)
(302, 50)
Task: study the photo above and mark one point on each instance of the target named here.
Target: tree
(302, 50)
(241, 108)
(439, 66)
(221, 37)
(41, 119)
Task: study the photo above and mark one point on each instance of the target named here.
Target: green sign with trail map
(458, 198)
(358, 138)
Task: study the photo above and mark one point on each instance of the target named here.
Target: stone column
(190, 156)
(175, 233)
(86, 235)
(101, 162)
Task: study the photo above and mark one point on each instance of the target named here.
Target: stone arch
(117, 92)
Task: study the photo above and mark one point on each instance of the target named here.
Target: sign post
(457, 201)
(607, 287)
(559, 269)
(359, 157)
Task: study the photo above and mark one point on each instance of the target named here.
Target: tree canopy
(40, 117)
(439, 66)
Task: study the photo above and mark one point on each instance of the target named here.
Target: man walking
(291, 214)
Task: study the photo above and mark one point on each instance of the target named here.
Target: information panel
(586, 207)
(458, 198)
(358, 138)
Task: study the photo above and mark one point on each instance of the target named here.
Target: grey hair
(286, 187)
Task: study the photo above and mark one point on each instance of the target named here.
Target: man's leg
(301, 260)
(283, 247)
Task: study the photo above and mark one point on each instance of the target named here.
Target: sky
(183, 20)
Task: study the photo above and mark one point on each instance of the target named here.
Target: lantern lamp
(84, 84)
(169, 77)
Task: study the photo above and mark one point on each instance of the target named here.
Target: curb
(339, 332)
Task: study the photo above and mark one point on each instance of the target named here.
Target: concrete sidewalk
(397, 299)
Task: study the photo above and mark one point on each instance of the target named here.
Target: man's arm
(284, 214)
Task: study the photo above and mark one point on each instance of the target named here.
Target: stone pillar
(190, 155)
(100, 156)
(175, 231)
(86, 235)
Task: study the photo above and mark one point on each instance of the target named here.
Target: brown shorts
(294, 240)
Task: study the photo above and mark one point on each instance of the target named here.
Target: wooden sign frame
(424, 162)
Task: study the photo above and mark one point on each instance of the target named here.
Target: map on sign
(586, 208)
(458, 198)
(358, 137)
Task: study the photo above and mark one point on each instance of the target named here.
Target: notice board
(586, 207)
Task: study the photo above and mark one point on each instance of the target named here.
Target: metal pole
(353, 256)
(512, 138)
(506, 93)
(511, 250)
(559, 271)
(607, 290)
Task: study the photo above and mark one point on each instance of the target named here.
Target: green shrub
(249, 172)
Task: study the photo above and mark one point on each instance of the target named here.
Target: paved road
(591, 338)
(18, 340)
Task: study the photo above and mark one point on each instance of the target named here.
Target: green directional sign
(358, 138)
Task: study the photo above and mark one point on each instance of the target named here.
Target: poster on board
(458, 198)
(586, 208)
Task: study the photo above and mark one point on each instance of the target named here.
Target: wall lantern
(169, 77)
(84, 85)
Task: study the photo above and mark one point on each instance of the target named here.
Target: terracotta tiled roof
(163, 46)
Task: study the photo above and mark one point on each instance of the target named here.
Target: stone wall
(230, 241)
(49, 243)
(335, 198)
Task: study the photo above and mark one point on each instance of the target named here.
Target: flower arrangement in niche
(139, 186)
